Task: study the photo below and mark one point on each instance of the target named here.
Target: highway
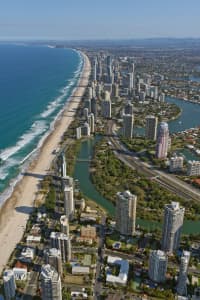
(167, 181)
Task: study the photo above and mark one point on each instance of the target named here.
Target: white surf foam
(26, 161)
(36, 129)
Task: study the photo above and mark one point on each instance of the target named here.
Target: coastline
(15, 211)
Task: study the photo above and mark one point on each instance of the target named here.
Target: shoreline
(15, 211)
(7, 192)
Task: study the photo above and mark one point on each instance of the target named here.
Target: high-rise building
(94, 106)
(162, 141)
(85, 113)
(67, 181)
(176, 163)
(91, 122)
(151, 127)
(78, 133)
(52, 257)
(9, 284)
(89, 92)
(64, 223)
(115, 90)
(94, 69)
(107, 95)
(130, 81)
(162, 97)
(64, 166)
(128, 126)
(126, 212)
(154, 92)
(50, 283)
(88, 104)
(193, 168)
(99, 70)
(172, 226)
(157, 265)
(85, 129)
(69, 201)
(62, 242)
(128, 108)
(182, 278)
(106, 108)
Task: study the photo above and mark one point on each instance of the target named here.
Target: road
(167, 181)
(98, 283)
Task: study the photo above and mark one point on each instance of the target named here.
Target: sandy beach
(15, 211)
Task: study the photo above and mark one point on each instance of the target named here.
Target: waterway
(189, 118)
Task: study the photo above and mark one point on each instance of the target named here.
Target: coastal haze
(100, 150)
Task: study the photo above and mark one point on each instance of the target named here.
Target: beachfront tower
(126, 212)
(151, 127)
(157, 265)
(162, 141)
(53, 257)
(62, 242)
(172, 226)
(64, 166)
(50, 284)
(182, 278)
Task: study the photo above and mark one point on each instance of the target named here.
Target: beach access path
(15, 212)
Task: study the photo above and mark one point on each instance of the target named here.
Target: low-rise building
(31, 239)
(122, 277)
(193, 168)
(176, 163)
(88, 232)
(20, 273)
(78, 270)
(27, 254)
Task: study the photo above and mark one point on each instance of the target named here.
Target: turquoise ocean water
(35, 83)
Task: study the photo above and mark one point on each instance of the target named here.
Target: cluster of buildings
(171, 233)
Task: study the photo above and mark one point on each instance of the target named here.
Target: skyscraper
(172, 226)
(91, 122)
(106, 109)
(182, 278)
(162, 141)
(151, 127)
(50, 283)
(128, 108)
(88, 104)
(52, 257)
(64, 166)
(128, 126)
(126, 212)
(94, 69)
(9, 284)
(69, 201)
(94, 106)
(64, 223)
(62, 242)
(157, 265)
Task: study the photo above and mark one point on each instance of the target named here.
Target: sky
(98, 19)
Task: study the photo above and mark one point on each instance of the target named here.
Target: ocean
(35, 84)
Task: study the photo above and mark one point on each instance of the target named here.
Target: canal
(188, 119)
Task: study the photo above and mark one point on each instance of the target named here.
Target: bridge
(83, 160)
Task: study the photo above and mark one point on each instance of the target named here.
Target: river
(188, 119)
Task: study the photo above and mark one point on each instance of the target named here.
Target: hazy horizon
(98, 20)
